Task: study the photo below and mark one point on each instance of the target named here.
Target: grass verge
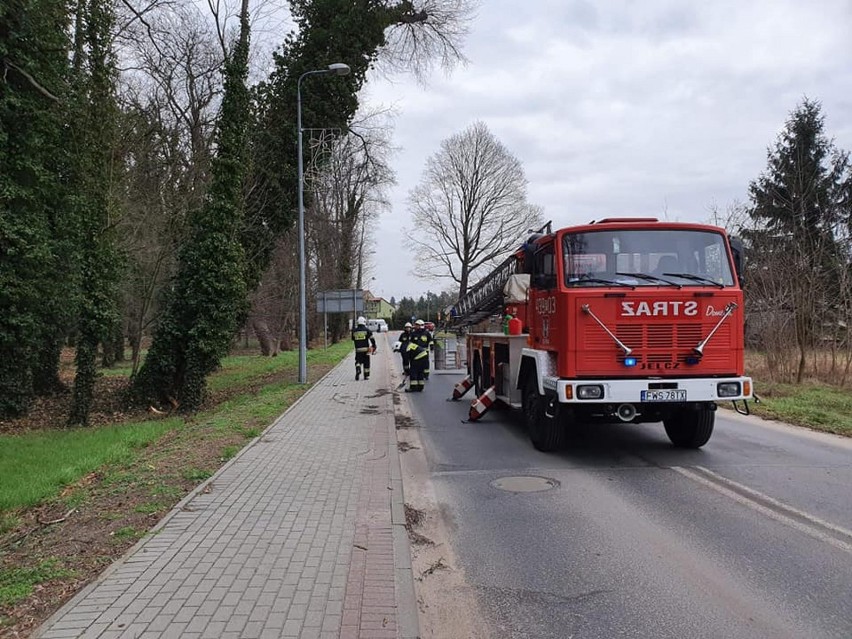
(37, 465)
(18, 583)
(817, 407)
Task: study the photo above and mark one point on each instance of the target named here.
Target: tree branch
(11, 65)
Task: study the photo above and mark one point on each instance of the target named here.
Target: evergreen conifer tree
(796, 209)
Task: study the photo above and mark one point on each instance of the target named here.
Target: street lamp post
(337, 68)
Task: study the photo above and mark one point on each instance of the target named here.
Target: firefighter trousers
(416, 378)
(362, 364)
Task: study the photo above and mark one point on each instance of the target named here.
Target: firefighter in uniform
(418, 360)
(365, 344)
(423, 338)
(404, 338)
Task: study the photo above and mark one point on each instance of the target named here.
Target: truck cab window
(601, 258)
(544, 275)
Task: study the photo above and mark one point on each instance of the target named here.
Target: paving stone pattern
(301, 535)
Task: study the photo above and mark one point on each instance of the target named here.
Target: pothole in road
(524, 484)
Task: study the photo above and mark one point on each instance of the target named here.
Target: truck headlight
(590, 391)
(728, 389)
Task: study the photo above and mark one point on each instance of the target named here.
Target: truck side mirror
(739, 256)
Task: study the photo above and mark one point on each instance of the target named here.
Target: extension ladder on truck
(486, 297)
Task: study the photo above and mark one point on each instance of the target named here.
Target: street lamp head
(338, 68)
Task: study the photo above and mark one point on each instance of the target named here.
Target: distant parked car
(377, 325)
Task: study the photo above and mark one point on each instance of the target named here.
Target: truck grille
(659, 343)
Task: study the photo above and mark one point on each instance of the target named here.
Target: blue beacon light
(630, 361)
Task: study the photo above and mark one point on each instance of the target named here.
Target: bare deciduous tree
(347, 178)
(348, 195)
(430, 32)
(274, 304)
(169, 93)
(171, 86)
(470, 207)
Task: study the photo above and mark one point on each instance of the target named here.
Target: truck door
(543, 286)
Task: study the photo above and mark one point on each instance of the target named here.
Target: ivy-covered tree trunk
(35, 275)
(94, 172)
(97, 315)
(112, 347)
(209, 293)
(46, 379)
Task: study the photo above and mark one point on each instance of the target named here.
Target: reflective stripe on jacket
(415, 351)
(362, 337)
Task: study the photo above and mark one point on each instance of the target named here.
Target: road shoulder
(447, 603)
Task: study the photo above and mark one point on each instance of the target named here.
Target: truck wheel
(546, 433)
(690, 428)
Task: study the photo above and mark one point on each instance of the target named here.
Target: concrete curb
(407, 618)
(409, 627)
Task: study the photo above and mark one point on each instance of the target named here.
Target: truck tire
(690, 428)
(545, 431)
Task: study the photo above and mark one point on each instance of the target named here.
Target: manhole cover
(524, 484)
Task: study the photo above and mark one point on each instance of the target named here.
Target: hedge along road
(749, 537)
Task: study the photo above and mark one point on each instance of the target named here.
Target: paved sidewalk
(301, 535)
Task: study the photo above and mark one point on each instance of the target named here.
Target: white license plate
(663, 395)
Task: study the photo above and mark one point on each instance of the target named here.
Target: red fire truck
(632, 320)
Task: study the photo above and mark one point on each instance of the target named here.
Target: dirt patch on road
(403, 421)
(413, 517)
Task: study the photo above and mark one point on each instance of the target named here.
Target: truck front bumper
(649, 391)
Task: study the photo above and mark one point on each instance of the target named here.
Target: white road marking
(817, 528)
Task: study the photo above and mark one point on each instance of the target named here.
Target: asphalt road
(748, 537)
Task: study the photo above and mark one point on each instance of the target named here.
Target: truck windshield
(642, 257)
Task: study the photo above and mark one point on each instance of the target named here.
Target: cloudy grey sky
(620, 107)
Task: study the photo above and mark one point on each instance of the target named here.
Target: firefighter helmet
(408, 325)
(361, 321)
(420, 323)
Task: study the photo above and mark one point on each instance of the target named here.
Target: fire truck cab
(630, 320)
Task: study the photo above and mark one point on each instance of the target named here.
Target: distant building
(377, 307)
